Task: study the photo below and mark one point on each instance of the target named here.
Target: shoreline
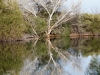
(84, 35)
(72, 36)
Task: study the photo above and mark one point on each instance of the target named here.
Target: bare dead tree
(51, 6)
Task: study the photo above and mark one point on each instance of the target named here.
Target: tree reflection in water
(94, 67)
(47, 62)
(50, 57)
(11, 58)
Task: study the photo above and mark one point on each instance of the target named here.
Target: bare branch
(67, 16)
(28, 5)
(29, 20)
(51, 7)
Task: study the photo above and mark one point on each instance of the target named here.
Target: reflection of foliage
(61, 43)
(40, 48)
(44, 56)
(50, 54)
(11, 57)
(88, 46)
(47, 59)
(94, 67)
(76, 44)
(91, 46)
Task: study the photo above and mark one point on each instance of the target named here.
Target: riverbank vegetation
(11, 21)
(44, 19)
(91, 23)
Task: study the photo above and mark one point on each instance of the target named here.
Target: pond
(61, 56)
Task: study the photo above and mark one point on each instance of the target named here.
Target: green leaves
(92, 22)
(11, 21)
(40, 25)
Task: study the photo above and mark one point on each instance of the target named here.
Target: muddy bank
(75, 35)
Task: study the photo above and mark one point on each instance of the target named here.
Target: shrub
(91, 22)
(11, 21)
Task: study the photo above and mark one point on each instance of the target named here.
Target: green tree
(91, 23)
(11, 21)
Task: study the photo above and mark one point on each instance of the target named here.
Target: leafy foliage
(11, 21)
(11, 55)
(40, 25)
(91, 23)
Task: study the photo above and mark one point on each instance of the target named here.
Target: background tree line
(44, 19)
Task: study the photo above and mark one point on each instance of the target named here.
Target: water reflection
(12, 56)
(94, 66)
(50, 57)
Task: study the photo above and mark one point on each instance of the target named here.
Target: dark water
(64, 56)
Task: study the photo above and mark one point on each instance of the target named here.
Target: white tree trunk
(51, 8)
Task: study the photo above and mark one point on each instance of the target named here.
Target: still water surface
(64, 56)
